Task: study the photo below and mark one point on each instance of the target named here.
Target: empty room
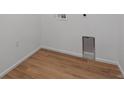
(61, 46)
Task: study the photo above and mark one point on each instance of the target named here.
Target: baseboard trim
(107, 61)
(122, 71)
(62, 51)
(19, 62)
(79, 55)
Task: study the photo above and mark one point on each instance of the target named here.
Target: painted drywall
(67, 35)
(22, 34)
(19, 35)
(121, 47)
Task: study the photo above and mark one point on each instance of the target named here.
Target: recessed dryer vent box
(88, 47)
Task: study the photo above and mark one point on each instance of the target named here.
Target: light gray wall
(66, 35)
(22, 34)
(19, 35)
(121, 52)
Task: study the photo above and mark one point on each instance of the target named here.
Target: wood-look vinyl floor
(46, 64)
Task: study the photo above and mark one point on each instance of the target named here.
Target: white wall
(66, 35)
(121, 52)
(19, 35)
(22, 34)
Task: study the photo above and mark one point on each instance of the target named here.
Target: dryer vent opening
(88, 47)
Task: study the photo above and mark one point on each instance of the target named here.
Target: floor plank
(47, 64)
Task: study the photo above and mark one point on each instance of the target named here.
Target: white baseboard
(79, 55)
(63, 51)
(107, 61)
(19, 62)
(122, 71)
